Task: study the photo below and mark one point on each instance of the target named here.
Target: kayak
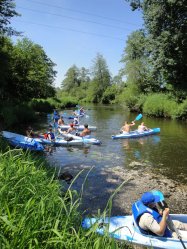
(21, 141)
(85, 140)
(123, 228)
(59, 141)
(78, 127)
(136, 134)
(38, 140)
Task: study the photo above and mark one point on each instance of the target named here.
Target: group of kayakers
(57, 122)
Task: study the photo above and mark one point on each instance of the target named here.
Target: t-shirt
(148, 223)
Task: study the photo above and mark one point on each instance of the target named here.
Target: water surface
(165, 153)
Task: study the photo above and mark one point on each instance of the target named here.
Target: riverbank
(101, 184)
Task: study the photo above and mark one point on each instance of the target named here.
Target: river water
(165, 153)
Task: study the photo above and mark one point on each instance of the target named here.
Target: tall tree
(32, 72)
(101, 77)
(166, 25)
(71, 81)
(137, 67)
(7, 11)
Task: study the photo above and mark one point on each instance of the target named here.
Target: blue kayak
(21, 141)
(136, 134)
(123, 228)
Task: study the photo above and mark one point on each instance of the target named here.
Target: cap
(71, 125)
(149, 197)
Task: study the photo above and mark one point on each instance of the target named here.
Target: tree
(101, 78)
(7, 11)
(32, 72)
(166, 24)
(71, 81)
(137, 67)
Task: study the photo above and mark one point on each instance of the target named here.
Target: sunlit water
(166, 152)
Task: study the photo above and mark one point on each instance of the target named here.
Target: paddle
(162, 204)
(138, 117)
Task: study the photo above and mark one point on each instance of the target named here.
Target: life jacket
(138, 209)
(56, 117)
(51, 134)
(76, 122)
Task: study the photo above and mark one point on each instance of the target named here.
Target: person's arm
(163, 223)
(147, 222)
(132, 123)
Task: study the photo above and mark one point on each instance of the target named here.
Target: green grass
(36, 212)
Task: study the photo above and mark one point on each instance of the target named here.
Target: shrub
(181, 112)
(159, 105)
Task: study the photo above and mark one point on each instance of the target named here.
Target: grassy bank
(35, 211)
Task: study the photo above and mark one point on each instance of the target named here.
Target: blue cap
(149, 197)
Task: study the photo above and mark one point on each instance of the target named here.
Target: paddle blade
(138, 117)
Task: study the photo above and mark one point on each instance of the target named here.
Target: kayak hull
(78, 127)
(136, 134)
(85, 140)
(21, 141)
(122, 228)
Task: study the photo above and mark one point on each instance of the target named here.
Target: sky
(73, 32)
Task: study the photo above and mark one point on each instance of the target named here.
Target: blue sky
(72, 32)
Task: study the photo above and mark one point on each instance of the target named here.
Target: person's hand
(165, 212)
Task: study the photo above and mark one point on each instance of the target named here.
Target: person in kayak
(30, 132)
(50, 135)
(76, 121)
(142, 127)
(85, 132)
(127, 127)
(61, 121)
(71, 129)
(152, 220)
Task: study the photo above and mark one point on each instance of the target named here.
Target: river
(166, 152)
(153, 162)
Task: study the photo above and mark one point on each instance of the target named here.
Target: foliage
(36, 214)
(159, 105)
(181, 111)
(129, 96)
(71, 82)
(101, 78)
(165, 24)
(32, 72)
(16, 114)
(7, 11)
(109, 96)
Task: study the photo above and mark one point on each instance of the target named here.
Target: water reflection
(136, 148)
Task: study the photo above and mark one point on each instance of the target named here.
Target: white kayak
(123, 228)
(78, 127)
(59, 141)
(137, 134)
(21, 141)
(85, 140)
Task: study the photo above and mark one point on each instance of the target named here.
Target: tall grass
(35, 213)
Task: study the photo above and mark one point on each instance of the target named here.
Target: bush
(129, 96)
(181, 112)
(159, 105)
(17, 114)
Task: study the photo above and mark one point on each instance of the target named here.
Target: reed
(33, 211)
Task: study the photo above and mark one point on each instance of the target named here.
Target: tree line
(154, 65)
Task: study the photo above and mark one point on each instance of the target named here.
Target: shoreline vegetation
(36, 212)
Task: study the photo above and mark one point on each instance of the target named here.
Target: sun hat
(149, 197)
